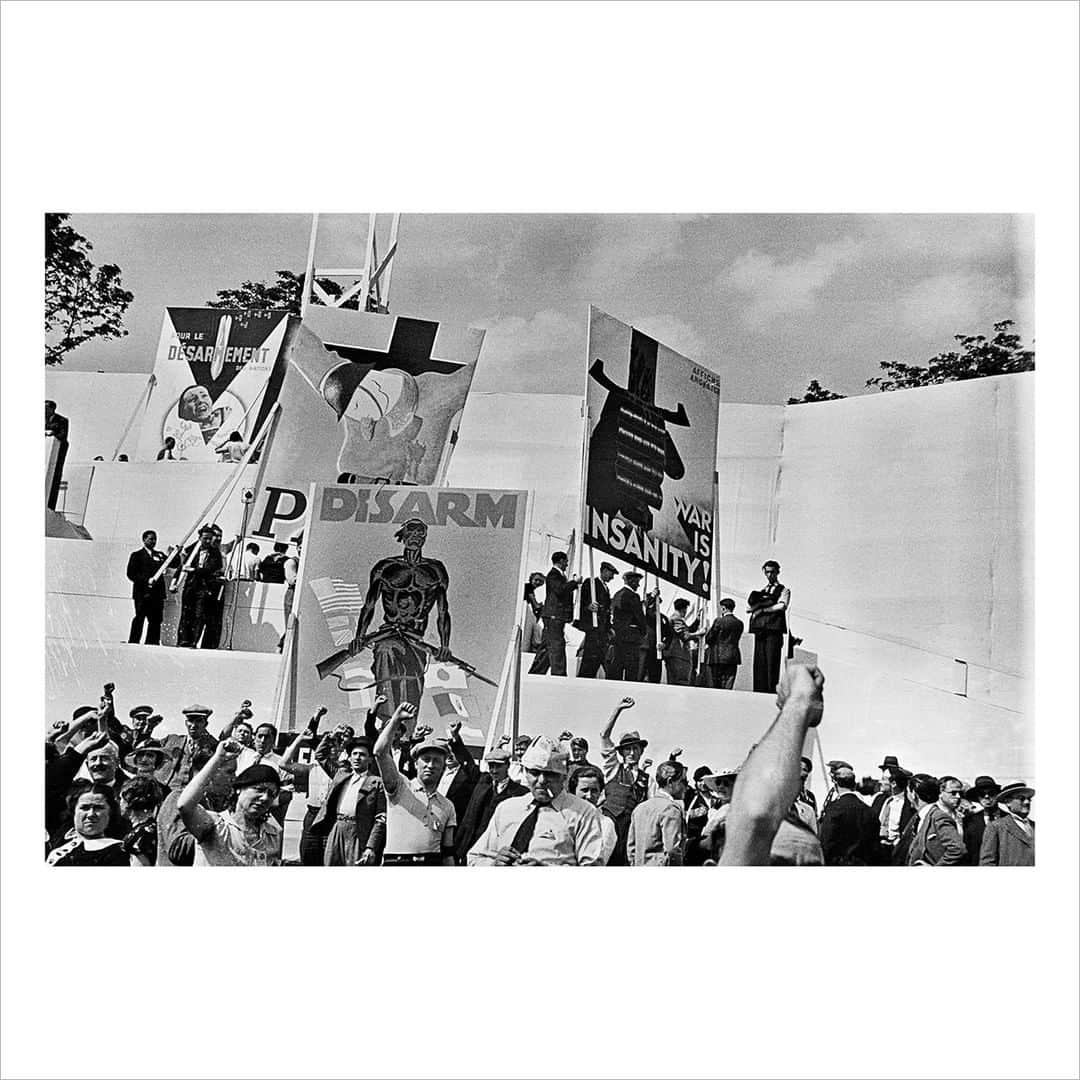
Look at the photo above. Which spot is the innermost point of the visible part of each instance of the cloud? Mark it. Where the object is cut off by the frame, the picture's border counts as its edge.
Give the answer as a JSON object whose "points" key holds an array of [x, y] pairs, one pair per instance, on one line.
{"points": [[541, 354], [955, 302], [779, 288]]}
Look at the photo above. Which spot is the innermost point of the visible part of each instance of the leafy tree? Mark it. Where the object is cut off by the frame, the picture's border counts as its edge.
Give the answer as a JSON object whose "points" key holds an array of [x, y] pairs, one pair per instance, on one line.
{"points": [[814, 392], [81, 301], [977, 358], [284, 294]]}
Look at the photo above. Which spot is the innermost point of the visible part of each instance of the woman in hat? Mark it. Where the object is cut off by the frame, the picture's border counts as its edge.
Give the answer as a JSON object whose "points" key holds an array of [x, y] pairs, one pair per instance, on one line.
{"points": [[144, 761], [86, 844]]}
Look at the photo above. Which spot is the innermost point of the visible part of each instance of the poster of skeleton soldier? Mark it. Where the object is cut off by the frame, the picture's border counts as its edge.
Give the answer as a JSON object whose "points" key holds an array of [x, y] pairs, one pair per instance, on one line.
{"points": [[410, 593], [366, 398], [216, 371], [651, 454]]}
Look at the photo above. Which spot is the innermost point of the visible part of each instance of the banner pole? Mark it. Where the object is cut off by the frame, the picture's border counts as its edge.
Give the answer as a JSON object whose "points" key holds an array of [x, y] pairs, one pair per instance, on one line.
{"points": [[583, 506], [144, 399], [309, 267], [515, 701], [500, 695], [592, 585]]}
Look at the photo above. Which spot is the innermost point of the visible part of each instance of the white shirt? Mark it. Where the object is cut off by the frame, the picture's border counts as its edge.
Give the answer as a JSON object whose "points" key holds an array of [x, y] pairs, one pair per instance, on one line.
{"points": [[890, 817]]}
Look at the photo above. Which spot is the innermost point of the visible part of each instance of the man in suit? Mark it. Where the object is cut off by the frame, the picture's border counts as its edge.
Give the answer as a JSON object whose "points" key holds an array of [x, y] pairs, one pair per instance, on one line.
{"points": [[558, 611], [768, 624], [894, 811], [628, 626], [353, 817], [462, 773], [935, 838], [595, 621], [848, 829], [187, 753], [983, 792], [1009, 840], [492, 788], [722, 646], [202, 584], [149, 598]]}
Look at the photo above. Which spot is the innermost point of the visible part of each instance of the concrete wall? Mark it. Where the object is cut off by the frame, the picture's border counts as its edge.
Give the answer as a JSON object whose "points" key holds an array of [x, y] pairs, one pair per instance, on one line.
{"points": [[98, 407]]}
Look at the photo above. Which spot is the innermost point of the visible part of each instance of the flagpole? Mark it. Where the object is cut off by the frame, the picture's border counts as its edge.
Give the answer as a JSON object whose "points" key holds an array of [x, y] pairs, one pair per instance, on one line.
{"points": [[309, 267], [144, 398]]}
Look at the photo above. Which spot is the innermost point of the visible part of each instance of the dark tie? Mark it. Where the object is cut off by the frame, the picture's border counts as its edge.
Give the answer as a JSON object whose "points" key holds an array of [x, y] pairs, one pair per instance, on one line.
{"points": [[523, 836]]}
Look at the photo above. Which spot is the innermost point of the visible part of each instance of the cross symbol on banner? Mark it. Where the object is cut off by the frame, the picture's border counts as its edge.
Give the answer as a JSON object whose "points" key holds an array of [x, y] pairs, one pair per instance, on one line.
{"points": [[409, 351]]}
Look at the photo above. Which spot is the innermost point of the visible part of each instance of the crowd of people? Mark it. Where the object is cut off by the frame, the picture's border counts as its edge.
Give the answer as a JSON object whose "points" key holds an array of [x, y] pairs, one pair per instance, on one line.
{"points": [[199, 574], [397, 795], [626, 636]]}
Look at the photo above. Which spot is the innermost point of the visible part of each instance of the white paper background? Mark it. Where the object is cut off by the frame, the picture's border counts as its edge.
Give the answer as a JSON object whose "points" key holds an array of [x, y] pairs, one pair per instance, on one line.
{"points": [[810, 106]]}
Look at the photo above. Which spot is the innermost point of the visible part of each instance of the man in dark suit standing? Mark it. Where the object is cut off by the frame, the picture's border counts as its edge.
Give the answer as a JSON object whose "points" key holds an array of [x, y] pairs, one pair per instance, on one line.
{"points": [[595, 621], [768, 624], [558, 611], [628, 626], [202, 586], [149, 598], [493, 787], [983, 792], [936, 839], [849, 830], [722, 646], [1009, 839], [894, 811]]}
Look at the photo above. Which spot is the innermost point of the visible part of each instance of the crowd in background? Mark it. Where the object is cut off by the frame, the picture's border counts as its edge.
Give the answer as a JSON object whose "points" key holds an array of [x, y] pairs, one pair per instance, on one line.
{"points": [[395, 794]]}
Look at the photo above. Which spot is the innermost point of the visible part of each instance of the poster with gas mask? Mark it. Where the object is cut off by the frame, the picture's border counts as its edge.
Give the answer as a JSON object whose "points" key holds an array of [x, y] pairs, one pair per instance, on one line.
{"points": [[366, 399], [216, 374]]}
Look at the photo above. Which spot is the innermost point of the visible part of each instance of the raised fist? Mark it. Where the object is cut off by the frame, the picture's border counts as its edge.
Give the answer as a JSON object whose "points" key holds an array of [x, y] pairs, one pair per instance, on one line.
{"points": [[626, 703]]}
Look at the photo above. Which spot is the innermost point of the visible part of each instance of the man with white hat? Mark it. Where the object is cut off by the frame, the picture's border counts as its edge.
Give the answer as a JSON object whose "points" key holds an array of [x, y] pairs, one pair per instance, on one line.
{"points": [[547, 827], [1009, 840], [420, 822]]}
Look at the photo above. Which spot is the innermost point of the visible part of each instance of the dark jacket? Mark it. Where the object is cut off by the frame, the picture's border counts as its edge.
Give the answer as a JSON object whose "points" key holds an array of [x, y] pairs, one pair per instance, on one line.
{"points": [[896, 856], [207, 578], [974, 827], [558, 596], [141, 567], [848, 832], [722, 640], [370, 810], [482, 803], [60, 783], [767, 622], [936, 841], [628, 616], [461, 787], [603, 604]]}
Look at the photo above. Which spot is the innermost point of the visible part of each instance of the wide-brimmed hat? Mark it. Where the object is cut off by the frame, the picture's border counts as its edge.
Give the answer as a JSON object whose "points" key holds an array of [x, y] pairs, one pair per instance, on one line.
{"points": [[983, 785], [889, 762], [148, 748], [631, 738], [429, 744], [1011, 791]]}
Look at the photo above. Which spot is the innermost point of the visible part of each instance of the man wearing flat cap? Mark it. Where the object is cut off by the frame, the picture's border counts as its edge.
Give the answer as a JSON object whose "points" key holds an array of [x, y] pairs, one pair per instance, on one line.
{"points": [[982, 793], [182, 750], [595, 621], [492, 789], [1009, 840], [247, 835], [849, 828], [548, 826], [420, 822], [203, 580], [629, 628]]}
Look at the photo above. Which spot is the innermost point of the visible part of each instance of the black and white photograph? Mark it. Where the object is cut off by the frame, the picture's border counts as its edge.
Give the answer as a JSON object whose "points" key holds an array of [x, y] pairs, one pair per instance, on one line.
{"points": [[701, 536]]}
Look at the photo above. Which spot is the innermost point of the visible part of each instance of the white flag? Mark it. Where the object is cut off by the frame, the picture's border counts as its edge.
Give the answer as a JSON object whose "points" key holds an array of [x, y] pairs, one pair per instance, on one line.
{"points": [[444, 677]]}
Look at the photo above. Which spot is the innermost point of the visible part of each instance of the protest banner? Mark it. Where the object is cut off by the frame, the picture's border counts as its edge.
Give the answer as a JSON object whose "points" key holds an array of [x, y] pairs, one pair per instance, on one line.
{"points": [[651, 454], [409, 592], [366, 399], [216, 371]]}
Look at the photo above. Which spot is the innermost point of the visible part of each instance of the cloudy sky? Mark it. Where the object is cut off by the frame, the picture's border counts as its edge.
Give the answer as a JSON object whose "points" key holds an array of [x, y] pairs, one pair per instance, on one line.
{"points": [[770, 301]]}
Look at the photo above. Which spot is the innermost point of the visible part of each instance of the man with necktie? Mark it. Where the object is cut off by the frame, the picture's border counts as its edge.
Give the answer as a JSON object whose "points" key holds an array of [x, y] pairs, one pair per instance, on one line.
{"points": [[595, 622], [149, 597], [547, 827]]}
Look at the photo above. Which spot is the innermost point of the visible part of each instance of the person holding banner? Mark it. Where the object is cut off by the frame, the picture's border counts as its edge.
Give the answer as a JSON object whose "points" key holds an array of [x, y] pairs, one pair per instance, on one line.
{"points": [[200, 581], [595, 622], [677, 647], [628, 626], [768, 624], [558, 611]]}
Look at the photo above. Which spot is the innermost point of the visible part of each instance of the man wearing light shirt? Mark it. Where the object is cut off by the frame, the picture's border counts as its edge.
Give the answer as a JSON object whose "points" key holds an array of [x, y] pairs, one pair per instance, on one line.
{"points": [[952, 791], [657, 834], [547, 827], [894, 811]]}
